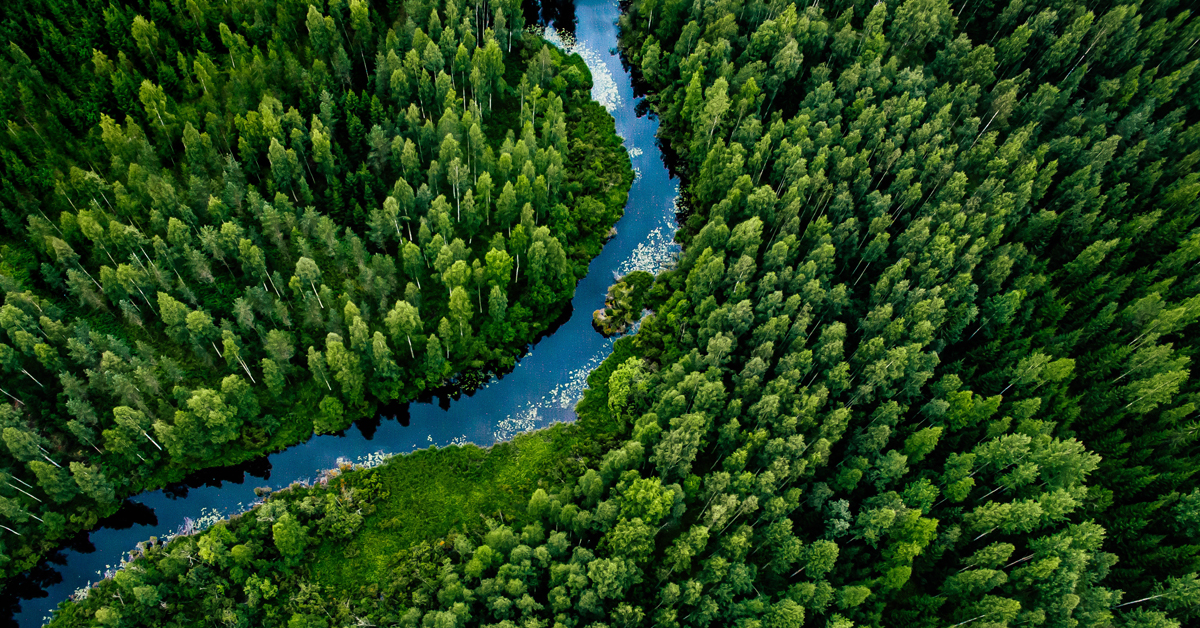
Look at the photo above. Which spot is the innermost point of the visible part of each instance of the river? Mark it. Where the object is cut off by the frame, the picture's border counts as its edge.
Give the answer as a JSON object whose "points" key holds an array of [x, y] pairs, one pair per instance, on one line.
{"points": [[541, 390]]}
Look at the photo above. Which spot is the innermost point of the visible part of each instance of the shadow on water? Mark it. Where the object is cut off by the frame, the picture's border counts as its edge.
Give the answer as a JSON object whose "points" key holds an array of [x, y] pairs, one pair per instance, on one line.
{"points": [[131, 514], [560, 13], [482, 407], [469, 382], [31, 587], [396, 412], [217, 477]]}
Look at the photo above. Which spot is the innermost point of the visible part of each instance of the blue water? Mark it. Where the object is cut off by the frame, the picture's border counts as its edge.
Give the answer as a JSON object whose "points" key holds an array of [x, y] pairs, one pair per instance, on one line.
{"points": [[541, 390]]}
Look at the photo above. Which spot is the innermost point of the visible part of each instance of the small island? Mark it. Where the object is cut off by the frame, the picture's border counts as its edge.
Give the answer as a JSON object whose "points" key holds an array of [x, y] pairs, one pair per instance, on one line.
{"points": [[623, 304]]}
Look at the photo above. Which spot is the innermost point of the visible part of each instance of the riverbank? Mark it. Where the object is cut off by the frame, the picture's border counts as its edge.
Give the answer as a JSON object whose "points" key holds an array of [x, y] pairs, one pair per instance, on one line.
{"points": [[278, 407], [436, 492], [370, 528], [349, 531], [542, 389]]}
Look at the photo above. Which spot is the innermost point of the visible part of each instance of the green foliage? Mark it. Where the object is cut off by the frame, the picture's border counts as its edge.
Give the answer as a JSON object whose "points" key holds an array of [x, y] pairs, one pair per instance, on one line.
{"points": [[290, 537], [200, 191], [925, 358], [623, 304]]}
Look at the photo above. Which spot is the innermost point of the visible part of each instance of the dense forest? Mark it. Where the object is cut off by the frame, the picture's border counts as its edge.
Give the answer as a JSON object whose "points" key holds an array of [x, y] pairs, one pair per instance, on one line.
{"points": [[925, 359], [347, 204]]}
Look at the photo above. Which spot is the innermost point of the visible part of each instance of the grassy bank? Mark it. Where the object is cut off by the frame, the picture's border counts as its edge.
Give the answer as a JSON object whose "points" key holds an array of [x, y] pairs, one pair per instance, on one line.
{"points": [[437, 492], [362, 528]]}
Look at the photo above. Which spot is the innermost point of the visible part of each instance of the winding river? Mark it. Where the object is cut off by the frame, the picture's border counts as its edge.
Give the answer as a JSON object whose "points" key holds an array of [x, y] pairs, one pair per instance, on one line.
{"points": [[541, 390]]}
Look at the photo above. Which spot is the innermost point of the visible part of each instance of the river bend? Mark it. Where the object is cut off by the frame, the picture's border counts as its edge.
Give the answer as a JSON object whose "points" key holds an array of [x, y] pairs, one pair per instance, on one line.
{"points": [[543, 388]]}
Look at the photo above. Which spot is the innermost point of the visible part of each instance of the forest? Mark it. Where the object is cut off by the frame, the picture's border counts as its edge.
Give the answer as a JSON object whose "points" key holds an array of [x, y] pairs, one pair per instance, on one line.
{"points": [[925, 359], [311, 179]]}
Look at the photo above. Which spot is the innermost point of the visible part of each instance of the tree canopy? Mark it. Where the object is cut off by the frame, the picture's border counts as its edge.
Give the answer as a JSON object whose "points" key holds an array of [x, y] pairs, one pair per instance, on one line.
{"points": [[924, 360], [221, 216]]}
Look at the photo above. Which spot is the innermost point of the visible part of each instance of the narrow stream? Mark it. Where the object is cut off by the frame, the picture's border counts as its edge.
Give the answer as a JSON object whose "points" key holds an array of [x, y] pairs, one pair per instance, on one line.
{"points": [[541, 390]]}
